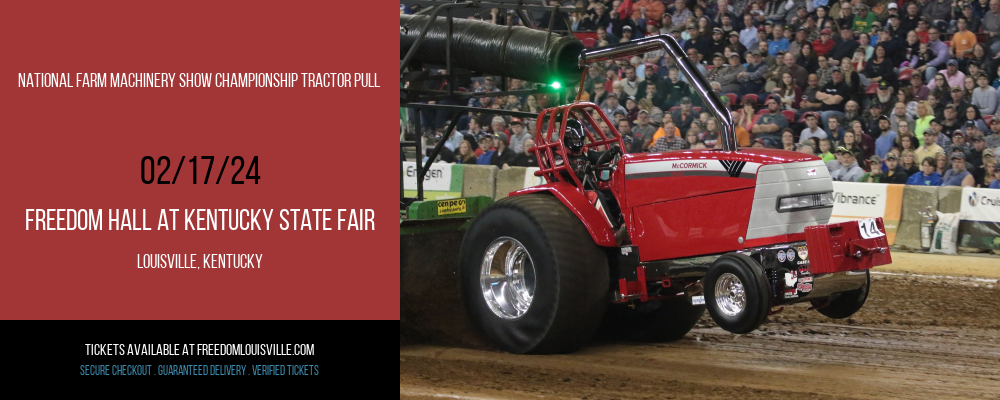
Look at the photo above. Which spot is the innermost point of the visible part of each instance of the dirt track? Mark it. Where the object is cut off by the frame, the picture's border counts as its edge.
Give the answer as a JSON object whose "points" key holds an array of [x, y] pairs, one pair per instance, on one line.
{"points": [[926, 334]]}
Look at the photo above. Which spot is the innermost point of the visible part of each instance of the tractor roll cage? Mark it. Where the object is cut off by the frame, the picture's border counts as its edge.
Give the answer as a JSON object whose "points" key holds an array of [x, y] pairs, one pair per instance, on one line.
{"points": [[546, 148], [686, 67]]}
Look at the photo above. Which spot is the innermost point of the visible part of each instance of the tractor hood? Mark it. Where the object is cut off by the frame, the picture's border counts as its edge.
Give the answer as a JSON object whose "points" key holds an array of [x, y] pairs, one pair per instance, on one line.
{"points": [[658, 177]]}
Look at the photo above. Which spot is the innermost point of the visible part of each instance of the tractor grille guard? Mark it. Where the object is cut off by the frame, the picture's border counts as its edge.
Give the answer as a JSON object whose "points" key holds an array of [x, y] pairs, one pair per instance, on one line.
{"points": [[686, 66]]}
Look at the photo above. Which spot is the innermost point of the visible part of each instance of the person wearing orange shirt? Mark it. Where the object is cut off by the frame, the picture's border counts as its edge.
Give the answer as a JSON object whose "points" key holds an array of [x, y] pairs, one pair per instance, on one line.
{"points": [[963, 40]]}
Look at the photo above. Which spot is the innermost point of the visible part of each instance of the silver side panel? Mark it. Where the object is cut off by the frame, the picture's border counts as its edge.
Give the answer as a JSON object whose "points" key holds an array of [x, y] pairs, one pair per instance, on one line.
{"points": [[780, 180]]}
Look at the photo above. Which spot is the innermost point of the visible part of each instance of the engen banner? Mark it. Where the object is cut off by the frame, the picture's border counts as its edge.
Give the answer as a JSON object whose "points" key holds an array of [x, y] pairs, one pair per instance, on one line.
{"points": [[442, 181], [980, 226], [868, 200]]}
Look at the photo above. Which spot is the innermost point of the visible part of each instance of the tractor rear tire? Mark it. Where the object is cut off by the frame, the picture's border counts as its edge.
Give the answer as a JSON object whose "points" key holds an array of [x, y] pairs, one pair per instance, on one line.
{"points": [[847, 303], [737, 293], [552, 296], [654, 321]]}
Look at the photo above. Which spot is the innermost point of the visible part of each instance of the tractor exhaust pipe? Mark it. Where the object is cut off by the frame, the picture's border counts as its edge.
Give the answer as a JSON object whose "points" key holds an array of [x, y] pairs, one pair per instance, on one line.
{"points": [[686, 66]]}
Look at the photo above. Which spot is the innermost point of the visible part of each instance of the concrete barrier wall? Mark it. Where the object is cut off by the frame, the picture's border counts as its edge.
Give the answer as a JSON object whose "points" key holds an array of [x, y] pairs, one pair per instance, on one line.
{"points": [[949, 199], [915, 199], [479, 180], [509, 180]]}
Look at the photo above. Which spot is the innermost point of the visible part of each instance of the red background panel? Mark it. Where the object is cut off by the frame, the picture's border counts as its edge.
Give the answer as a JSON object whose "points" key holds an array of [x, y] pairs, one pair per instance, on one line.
{"points": [[81, 148]]}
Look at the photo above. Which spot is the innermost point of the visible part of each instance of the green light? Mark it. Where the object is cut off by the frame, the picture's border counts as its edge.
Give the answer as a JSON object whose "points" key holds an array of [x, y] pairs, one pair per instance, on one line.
{"points": [[556, 85]]}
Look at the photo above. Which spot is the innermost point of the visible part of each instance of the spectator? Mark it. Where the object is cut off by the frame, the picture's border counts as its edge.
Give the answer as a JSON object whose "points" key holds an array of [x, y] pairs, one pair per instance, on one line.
{"points": [[963, 40], [958, 145], [799, 74], [642, 131], [991, 25], [788, 91], [753, 78], [972, 114], [824, 44], [684, 116], [630, 85], [748, 36], [486, 145], [465, 154], [808, 59], [993, 136], [770, 124], [874, 174], [909, 163], [942, 161], [795, 47], [993, 171], [851, 114], [745, 116], [951, 121], [674, 89], [850, 144], [779, 42], [668, 142], [518, 135], [833, 96], [612, 105], [727, 77], [849, 171], [985, 97], [923, 121], [978, 151], [808, 102], [938, 11], [666, 127], [898, 115], [502, 157], [836, 133], [845, 48], [736, 45], [958, 175], [824, 70], [812, 129], [886, 137], [954, 77], [928, 176], [742, 135], [787, 140], [895, 173], [930, 147], [920, 91], [910, 20], [940, 50], [880, 68]]}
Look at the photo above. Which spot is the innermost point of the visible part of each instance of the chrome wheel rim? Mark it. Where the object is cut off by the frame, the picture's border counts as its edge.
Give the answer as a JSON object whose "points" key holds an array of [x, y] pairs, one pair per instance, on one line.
{"points": [[729, 294], [507, 278]]}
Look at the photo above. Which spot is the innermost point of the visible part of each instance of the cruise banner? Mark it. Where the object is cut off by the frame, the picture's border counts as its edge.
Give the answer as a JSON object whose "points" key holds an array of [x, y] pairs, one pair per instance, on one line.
{"points": [[980, 225]]}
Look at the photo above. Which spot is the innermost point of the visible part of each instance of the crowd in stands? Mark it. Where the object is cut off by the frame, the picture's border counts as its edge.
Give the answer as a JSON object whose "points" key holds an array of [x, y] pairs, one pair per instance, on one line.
{"points": [[882, 91]]}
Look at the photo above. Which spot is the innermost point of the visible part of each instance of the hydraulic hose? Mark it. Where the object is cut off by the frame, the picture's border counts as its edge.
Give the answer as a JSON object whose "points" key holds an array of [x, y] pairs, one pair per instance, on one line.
{"points": [[517, 52]]}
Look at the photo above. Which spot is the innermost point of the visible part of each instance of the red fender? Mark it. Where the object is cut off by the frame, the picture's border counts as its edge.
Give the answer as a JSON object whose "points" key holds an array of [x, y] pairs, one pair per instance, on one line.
{"points": [[576, 201]]}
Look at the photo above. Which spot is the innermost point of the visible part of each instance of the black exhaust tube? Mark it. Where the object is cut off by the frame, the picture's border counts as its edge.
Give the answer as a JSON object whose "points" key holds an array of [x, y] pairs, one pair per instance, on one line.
{"points": [[519, 53]]}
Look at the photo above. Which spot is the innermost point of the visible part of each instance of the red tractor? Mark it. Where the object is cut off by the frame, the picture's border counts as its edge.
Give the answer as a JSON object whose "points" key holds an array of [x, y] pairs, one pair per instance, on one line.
{"points": [[646, 242]]}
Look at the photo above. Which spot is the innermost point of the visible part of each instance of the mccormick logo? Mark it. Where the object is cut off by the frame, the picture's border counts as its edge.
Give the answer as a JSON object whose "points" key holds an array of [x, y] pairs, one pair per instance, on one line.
{"points": [[689, 165]]}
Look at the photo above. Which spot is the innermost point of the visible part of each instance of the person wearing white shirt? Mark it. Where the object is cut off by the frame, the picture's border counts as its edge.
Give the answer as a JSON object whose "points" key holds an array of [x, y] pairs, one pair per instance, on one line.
{"points": [[812, 129]]}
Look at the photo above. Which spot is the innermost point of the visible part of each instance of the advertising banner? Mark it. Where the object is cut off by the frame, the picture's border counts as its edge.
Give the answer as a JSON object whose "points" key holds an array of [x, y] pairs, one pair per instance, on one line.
{"points": [[980, 226], [853, 201], [530, 179], [442, 181]]}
